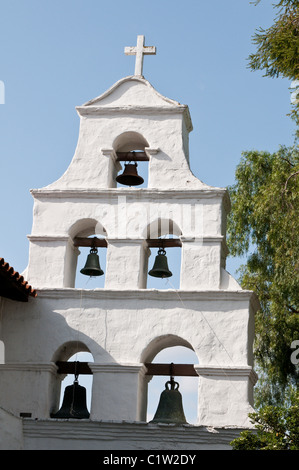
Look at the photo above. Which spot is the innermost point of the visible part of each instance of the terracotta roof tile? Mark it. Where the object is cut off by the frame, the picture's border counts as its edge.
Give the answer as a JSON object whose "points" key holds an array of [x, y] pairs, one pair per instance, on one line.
{"points": [[13, 285]]}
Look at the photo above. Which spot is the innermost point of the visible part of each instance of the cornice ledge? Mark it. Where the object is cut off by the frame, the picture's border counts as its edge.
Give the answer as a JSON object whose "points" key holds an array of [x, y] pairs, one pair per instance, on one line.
{"points": [[201, 193], [48, 238], [29, 367], [145, 294], [227, 371], [98, 109]]}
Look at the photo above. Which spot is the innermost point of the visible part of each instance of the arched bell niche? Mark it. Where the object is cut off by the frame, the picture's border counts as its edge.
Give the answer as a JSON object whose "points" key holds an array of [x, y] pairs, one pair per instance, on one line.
{"points": [[87, 235], [166, 350], [129, 148], [71, 353], [164, 234]]}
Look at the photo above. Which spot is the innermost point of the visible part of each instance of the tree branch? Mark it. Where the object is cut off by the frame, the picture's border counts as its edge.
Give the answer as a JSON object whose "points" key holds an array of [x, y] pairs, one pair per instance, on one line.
{"points": [[286, 183], [288, 161], [293, 310]]}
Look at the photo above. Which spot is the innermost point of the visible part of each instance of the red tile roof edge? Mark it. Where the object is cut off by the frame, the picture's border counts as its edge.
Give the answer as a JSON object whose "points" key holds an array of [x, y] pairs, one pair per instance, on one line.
{"points": [[17, 278]]}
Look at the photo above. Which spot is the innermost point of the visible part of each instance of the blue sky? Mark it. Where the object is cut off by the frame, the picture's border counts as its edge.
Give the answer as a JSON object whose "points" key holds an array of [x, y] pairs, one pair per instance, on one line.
{"points": [[55, 55]]}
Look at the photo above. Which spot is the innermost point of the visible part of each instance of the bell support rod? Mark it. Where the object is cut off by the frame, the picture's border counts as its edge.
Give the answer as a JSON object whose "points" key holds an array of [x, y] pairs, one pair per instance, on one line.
{"points": [[75, 368], [171, 369], [90, 242], [131, 157], [151, 242], [165, 242], [178, 370]]}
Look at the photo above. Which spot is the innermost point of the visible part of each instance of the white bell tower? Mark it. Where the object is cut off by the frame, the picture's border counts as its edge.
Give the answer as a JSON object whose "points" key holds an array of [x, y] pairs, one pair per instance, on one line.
{"points": [[124, 324]]}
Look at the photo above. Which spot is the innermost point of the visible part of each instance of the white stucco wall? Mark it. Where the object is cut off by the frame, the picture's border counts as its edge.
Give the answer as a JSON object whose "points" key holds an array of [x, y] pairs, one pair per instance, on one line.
{"points": [[11, 431], [118, 328], [126, 217], [124, 325], [54, 435]]}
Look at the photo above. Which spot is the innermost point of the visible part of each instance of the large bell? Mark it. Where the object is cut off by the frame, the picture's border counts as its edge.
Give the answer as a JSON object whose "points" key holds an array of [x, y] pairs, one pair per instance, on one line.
{"points": [[92, 266], [130, 177], [73, 404], [160, 268], [170, 407]]}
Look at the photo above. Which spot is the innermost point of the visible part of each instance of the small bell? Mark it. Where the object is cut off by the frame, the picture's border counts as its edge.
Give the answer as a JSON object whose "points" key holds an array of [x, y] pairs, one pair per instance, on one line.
{"points": [[74, 403], [130, 177], [170, 407], [160, 268], [92, 266]]}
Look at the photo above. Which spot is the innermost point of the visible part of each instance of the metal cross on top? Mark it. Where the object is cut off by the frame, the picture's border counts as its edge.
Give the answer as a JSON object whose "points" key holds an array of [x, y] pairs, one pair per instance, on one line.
{"points": [[140, 50]]}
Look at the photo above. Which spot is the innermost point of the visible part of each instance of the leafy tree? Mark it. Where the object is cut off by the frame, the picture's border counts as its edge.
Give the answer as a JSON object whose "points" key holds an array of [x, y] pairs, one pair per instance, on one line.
{"points": [[277, 52], [263, 224], [264, 220], [277, 47], [276, 428]]}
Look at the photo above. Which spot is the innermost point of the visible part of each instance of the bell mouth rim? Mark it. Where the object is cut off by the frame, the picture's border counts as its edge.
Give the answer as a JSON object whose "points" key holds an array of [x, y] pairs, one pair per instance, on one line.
{"points": [[94, 274], [167, 421], [132, 183], [155, 275]]}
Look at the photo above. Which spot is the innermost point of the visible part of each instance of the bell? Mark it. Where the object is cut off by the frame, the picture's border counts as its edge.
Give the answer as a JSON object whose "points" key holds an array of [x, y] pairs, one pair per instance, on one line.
{"points": [[160, 268], [73, 404], [170, 407], [130, 177], [92, 266]]}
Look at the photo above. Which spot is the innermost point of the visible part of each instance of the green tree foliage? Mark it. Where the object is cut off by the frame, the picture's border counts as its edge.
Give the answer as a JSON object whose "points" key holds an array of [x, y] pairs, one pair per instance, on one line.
{"points": [[263, 224], [277, 52], [278, 46], [276, 428]]}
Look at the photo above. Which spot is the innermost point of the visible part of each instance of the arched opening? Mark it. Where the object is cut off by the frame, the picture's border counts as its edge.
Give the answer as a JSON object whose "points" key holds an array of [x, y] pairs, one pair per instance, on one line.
{"points": [[84, 380], [88, 235], [164, 234], [130, 149], [169, 349], [188, 386], [67, 358]]}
